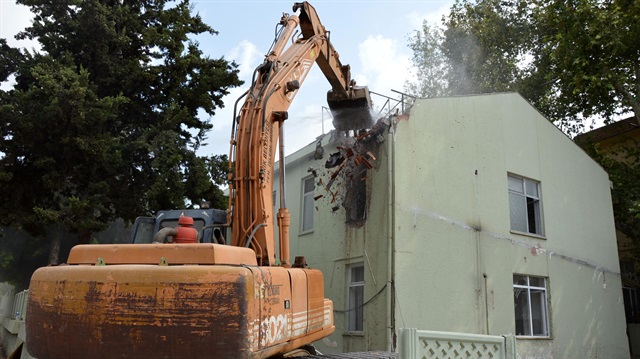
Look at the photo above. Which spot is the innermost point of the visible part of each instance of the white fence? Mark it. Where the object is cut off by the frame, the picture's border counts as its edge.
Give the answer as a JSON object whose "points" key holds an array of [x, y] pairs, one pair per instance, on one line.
{"points": [[19, 311], [418, 344]]}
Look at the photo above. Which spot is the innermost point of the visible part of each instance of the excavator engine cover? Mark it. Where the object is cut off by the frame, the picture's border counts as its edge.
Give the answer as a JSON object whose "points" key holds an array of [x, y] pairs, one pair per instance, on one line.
{"points": [[351, 113]]}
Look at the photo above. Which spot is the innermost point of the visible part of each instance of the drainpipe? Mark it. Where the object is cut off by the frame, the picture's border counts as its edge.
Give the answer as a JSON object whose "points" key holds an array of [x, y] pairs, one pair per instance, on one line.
{"points": [[391, 222]]}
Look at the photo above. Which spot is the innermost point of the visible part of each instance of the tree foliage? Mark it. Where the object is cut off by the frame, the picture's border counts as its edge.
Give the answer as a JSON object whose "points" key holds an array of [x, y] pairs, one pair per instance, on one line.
{"points": [[572, 60], [218, 166], [429, 62], [622, 163], [104, 121]]}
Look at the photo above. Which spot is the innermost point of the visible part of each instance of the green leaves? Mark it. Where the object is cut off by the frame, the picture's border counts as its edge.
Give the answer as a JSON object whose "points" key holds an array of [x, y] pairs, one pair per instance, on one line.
{"points": [[103, 122], [573, 61]]}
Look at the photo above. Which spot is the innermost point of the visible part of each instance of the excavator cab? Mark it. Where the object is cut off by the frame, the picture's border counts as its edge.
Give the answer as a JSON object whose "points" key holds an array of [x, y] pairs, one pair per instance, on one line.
{"points": [[353, 112]]}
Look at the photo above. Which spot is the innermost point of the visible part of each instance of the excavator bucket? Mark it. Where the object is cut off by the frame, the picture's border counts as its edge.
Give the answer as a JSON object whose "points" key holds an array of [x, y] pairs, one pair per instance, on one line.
{"points": [[352, 113]]}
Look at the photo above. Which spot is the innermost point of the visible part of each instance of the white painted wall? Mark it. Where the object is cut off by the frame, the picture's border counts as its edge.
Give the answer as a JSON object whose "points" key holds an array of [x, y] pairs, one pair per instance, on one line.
{"points": [[453, 222], [440, 184], [333, 245]]}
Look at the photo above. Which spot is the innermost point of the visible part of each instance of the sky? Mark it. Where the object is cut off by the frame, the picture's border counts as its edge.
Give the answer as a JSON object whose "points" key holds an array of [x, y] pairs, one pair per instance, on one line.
{"points": [[371, 36]]}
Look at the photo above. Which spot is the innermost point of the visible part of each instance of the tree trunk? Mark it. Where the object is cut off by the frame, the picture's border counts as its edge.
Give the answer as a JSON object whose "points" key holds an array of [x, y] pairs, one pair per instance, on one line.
{"points": [[84, 236], [54, 251]]}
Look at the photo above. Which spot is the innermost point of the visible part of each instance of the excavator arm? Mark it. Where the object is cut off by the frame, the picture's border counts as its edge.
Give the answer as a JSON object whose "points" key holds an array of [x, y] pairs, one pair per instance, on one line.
{"points": [[259, 127], [338, 75]]}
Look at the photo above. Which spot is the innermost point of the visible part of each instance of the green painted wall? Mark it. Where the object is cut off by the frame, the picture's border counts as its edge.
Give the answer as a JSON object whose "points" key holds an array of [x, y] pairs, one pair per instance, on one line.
{"points": [[455, 250], [440, 184], [333, 245]]}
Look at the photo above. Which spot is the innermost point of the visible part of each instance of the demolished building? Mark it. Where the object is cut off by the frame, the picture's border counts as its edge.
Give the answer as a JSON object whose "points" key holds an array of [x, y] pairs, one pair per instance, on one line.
{"points": [[469, 214]]}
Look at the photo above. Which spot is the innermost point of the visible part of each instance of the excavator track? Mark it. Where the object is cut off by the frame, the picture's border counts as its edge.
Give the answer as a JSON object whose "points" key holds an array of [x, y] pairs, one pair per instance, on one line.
{"points": [[356, 355]]}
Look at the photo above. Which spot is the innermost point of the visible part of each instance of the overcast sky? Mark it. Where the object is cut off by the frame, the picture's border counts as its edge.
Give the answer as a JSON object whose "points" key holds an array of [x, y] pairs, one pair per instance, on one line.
{"points": [[371, 36]]}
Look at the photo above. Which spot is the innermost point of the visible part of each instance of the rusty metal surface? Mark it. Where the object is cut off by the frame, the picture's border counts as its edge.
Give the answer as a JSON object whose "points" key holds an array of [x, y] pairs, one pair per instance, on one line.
{"points": [[139, 312], [192, 253], [188, 311]]}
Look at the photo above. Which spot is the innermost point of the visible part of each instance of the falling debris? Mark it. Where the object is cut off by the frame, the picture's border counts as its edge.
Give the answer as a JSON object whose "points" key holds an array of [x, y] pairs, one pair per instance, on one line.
{"points": [[358, 150], [335, 159], [347, 169], [318, 154]]}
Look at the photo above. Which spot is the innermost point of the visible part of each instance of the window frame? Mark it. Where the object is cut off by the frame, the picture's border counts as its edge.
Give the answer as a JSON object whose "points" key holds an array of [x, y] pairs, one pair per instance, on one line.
{"points": [[355, 312], [537, 214], [303, 197], [545, 303]]}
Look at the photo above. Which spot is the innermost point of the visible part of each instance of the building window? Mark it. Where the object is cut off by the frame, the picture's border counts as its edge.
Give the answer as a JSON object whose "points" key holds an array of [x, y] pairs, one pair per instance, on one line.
{"points": [[631, 304], [307, 204], [530, 305], [356, 298], [524, 205]]}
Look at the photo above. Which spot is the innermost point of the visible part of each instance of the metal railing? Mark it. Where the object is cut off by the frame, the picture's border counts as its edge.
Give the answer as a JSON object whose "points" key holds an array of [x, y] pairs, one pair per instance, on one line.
{"points": [[391, 105]]}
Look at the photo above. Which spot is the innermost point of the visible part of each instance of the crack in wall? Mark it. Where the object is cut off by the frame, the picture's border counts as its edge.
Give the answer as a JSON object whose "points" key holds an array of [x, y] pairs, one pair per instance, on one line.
{"points": [[533, 248]]}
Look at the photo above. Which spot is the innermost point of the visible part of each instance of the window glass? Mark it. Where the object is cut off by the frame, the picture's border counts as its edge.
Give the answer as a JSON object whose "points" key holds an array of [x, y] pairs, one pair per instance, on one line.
{"points": [[357, 274], [530, 306], [515, 184], [519, 280], [518, 212], [532, 188], [536, 282], [525, 208], [538, 312], [144, 232], [533, 215], [308, 185], [521, 306], [356, 298], [307, 204]]}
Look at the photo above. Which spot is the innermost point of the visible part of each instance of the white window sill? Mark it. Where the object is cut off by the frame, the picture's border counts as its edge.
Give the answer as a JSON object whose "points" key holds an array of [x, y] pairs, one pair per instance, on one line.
{"points": [[353, 334], [532, 235], [529, 337], [305, 232]]}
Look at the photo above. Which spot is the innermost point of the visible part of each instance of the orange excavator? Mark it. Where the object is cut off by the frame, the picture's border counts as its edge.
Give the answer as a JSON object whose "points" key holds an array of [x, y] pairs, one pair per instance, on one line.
{"points": [[218, 299]]}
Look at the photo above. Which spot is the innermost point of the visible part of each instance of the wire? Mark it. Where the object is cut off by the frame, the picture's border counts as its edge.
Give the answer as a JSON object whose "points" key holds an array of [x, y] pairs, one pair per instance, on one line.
{"points": [[277, 32], [363, 304]]}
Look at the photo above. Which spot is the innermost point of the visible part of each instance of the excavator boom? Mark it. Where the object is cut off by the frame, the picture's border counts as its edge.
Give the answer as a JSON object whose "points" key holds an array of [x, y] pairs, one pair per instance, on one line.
{"points": [[275, 84]]}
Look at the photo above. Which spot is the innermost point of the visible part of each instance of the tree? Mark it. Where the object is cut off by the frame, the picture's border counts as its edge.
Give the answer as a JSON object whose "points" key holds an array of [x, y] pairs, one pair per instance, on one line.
{"points": [[619, 155], [218, 166], [573, 60], [429, 62], [478, 49], [103, 122]]}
